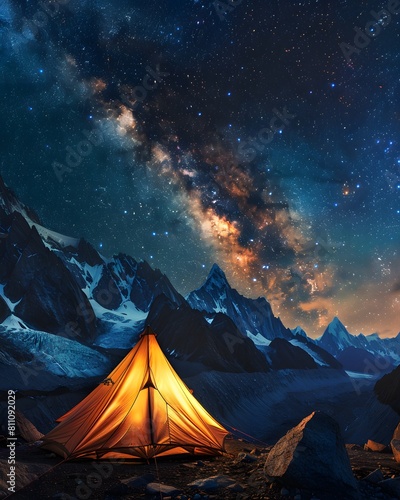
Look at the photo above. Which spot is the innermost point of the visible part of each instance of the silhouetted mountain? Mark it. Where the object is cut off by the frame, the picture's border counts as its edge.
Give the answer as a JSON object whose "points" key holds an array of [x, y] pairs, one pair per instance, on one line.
{"points": [[185, 334], [387, 389], [284, 355]]}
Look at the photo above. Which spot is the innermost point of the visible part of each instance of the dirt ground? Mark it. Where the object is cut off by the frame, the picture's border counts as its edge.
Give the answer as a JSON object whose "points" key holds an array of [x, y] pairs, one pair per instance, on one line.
{"points": [[102, 480]]}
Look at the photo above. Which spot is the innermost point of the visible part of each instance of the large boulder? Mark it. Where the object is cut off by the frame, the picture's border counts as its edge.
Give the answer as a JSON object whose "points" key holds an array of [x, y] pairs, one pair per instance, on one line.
{"points": [[26, 429], [313, 456], [395, 445]]}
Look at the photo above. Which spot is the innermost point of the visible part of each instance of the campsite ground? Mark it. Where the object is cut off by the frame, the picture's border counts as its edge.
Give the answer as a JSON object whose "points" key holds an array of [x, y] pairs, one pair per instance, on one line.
{"points": [[85, 480]]}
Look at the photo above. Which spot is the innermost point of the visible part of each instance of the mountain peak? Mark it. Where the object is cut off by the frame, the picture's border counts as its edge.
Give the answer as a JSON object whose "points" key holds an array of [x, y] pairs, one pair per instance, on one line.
{"points": [[372, 336], [299, 331], [336, 321], [337, 328], [10, 203], [337, 334], [217, 276]]}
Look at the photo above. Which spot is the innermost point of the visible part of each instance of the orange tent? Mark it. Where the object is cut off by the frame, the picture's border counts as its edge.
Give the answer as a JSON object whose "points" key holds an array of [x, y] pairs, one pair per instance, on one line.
{"points": [[141, 410]]}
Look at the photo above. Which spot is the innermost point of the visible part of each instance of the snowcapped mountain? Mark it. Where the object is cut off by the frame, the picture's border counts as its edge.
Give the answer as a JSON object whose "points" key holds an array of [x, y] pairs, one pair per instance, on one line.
{"points": [[359, 352], [283, 348], [253, 317], [61, 285], [299, 331], [336, 337], [59, 289], [65, 308]]}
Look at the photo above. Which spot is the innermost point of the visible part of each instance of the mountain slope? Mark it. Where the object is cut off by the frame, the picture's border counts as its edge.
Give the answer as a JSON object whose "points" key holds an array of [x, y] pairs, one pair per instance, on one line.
{"points": [[185, 334], [387, 389]]}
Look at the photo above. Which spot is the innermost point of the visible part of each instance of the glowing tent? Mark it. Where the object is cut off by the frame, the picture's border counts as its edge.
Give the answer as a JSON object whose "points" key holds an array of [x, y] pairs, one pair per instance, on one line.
{"points": [[141, 410]]}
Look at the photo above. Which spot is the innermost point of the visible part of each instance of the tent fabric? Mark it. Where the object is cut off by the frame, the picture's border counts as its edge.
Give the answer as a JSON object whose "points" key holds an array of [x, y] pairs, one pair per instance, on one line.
{"points": [[141, 410]]}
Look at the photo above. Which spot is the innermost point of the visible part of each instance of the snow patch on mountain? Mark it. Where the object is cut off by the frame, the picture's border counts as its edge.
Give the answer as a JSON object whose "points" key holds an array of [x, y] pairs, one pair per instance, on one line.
{"points": [[309, 351], [54, 354], [258, 339], [10, 304], [299, 331], [121, 327], [51, 237]]}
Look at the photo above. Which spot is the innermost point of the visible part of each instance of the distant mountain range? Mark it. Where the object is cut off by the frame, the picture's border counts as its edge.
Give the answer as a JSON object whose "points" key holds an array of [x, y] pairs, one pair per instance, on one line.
{"points": [[361, 353], [89, 305]]}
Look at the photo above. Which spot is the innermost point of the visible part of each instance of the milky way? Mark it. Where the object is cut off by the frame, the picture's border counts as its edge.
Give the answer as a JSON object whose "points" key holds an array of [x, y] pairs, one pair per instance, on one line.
{"points": [[260, 136]]}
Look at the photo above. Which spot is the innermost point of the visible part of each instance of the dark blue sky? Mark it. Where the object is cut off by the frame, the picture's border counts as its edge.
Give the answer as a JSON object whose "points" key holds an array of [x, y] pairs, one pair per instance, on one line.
{"points": [[183, 168]]}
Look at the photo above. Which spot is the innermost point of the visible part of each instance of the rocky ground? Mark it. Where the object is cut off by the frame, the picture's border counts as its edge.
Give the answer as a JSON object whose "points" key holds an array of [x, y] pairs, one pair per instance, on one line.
{"points": [[240, 476]]}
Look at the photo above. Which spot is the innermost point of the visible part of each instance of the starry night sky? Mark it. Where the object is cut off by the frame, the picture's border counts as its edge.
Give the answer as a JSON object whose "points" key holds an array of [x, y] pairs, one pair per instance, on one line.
{"points": [[183, 170]]}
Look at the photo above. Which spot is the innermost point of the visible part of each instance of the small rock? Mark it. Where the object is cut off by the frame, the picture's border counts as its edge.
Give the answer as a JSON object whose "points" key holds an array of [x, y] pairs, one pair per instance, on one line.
{"points": [[162, 489], [297, 497], [199, 463], [197, 497], [138, 482], [237, 488], [212, 483], [255, 451], [353, 447], [284, 492], [189, 465], [245, 457], [396, 434], [374, 477], [374, 446]]}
